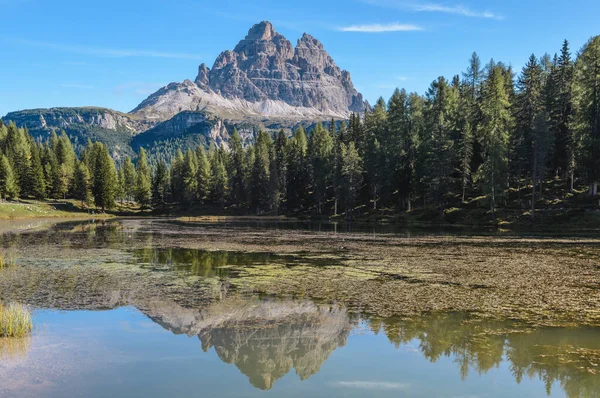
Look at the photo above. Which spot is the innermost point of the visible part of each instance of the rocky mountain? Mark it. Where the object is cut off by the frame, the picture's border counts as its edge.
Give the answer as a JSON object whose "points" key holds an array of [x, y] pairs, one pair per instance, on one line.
{"points": [[263, 83]]}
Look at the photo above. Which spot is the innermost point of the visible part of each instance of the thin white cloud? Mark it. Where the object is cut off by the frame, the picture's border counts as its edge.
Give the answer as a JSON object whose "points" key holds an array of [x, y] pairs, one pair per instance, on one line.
{"points": [[457, 9], [104, 52], [372, 385], [78, 86], [402, 78], [380, 28]]}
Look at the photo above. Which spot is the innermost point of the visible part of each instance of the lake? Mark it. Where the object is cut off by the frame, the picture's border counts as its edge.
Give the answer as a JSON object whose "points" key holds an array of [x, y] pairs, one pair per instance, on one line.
{"points": [[168, 308]]}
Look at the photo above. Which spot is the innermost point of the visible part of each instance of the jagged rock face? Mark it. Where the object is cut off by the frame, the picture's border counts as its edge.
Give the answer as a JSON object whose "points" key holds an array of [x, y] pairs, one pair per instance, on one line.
{"points": [[265, 66], [264, 76]]}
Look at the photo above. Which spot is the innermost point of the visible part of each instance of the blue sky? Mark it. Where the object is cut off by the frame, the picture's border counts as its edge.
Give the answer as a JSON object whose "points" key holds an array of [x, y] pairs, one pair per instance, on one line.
{"points": [[115, 53]]}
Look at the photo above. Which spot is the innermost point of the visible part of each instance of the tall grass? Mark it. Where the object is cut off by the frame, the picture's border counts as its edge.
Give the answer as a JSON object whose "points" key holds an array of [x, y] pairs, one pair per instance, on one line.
{"points": [[15, 320], [6, 260]]}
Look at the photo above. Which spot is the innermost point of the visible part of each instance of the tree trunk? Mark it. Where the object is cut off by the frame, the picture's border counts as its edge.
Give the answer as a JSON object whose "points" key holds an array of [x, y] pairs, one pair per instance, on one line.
{"points": [[375, 198], [533, 184], [335, 206]]}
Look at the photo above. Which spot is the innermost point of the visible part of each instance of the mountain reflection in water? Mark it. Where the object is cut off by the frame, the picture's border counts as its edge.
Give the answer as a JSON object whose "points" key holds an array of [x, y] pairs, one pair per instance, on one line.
{"points": [[266, 339]]}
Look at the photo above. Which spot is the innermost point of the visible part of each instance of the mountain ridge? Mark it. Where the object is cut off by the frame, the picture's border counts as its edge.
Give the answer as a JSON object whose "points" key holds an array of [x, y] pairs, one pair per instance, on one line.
{"points": [[264, 81]]}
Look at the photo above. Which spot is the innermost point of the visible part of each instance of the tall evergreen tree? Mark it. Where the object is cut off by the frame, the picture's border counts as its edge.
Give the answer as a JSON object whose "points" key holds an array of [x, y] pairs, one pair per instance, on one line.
{"points": [[440, 118], [235, 168], [320, 150], [104, 178], [203, 175], [587, 114], [160, 186], [143, 188], [81, 183], [261, 174], [351, 175], [9, 189], [494, 134], [129, 178]]}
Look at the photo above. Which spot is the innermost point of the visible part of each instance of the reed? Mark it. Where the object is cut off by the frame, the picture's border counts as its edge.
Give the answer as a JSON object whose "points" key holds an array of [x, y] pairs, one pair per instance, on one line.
{"points": [[6, 260], [15, 320]]}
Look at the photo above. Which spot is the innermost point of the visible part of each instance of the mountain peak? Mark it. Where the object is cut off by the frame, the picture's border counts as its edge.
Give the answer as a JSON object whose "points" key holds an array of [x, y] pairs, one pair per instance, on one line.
{"points": [[271, 76], [262, 31]]}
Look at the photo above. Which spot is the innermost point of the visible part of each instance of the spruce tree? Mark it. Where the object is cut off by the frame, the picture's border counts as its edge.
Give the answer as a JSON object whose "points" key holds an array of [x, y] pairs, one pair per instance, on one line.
{"points": [[81, 183], [235, 168], [104, 187], [320, 152], [261, 174], [439, 152], [494, 134], [351, 175], [587, 114], [189, 175], [37, 183], [143, 192], [219, 179], [159, 186], [129, 178], [203, 176], [9, 189]]}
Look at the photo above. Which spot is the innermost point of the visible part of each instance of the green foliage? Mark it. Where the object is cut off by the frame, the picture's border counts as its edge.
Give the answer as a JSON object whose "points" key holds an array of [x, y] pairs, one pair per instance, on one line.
{"points": [[9, 189], [82, 183], [105, 182]]}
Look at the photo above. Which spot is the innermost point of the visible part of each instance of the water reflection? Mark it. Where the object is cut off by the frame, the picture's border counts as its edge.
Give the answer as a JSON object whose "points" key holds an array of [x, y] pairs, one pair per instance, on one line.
{"points": [[266, 339], [13, 348], [202, 263]]}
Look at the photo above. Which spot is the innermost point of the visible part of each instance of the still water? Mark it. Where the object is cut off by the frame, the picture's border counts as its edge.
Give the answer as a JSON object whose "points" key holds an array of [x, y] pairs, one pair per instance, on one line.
{"points": [[125, 311]]}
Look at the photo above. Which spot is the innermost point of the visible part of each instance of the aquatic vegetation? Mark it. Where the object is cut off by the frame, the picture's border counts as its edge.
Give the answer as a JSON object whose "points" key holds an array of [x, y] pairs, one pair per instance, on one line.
{"points": [[15, 320], [6, 260]]}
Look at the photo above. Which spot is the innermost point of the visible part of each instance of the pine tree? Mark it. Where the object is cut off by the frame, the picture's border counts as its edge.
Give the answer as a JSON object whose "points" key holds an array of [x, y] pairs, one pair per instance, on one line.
{"points": [[465, 156], [81, 183], [37, 184], [16, 149], [261, 174], [129, 178], [494, 133], [177, 187], [235, 168], [159, 186], [281, 148], [440, 118], [189, 175], [587, 112], [375, 127], [351, 175], [320, 151], [9, 189], [203, 175], [298, 176], [143, 192], [219, 179], [561, 114], [120, 193], [104, 178]]}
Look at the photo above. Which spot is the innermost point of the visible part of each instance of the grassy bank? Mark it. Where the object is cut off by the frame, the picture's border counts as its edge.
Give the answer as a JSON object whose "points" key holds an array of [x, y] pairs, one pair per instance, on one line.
{"points": [[28, 209]]}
